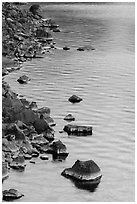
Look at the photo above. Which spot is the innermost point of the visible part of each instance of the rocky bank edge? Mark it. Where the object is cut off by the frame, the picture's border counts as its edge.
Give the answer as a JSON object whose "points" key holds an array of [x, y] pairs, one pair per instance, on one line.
{"points": [[26, 129]]}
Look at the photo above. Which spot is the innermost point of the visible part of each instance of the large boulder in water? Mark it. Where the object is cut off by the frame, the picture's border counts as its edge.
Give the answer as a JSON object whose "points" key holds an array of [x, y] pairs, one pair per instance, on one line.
{"points": [[11, 194], [78, 130], [87, 173], [75, 99]]}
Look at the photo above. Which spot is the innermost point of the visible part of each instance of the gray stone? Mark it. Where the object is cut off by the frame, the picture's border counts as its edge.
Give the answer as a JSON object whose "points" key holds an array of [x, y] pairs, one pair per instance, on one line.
{"points": [[11, 194], [78, 130], [86, 172], [69, 117], [75, 99], [23, 79]]}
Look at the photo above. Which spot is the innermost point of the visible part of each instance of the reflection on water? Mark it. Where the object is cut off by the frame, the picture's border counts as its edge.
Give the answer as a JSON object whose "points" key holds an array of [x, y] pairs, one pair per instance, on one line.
{"points": [[104, 78]]}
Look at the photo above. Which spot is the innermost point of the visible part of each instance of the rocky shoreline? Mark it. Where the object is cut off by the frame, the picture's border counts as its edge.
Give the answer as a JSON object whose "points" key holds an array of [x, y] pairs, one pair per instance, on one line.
{"points": [[27, 130]]}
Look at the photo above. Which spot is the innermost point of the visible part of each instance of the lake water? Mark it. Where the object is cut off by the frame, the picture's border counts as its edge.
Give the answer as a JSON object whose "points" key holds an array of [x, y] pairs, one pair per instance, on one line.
{"points": [[105, 79]]}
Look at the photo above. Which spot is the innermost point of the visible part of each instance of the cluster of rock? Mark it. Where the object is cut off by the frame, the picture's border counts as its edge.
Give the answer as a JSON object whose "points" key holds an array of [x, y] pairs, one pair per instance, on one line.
{"points": [[25, 34], [26, 133], [27, 130]]}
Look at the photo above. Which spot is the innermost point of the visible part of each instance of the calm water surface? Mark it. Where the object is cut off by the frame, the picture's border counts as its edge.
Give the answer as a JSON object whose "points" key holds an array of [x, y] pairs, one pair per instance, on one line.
{"points": [[104, 78]]}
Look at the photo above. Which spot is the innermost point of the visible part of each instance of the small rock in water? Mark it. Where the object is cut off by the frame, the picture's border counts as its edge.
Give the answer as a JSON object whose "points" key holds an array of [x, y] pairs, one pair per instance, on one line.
{"points": [[61, 131], [75, 99], [27, 156], [23, 79], [11, 194], [33, 162], [79, 130], [86, 47], [44, 157], [69, 117], [80, 49], [66, 48]]}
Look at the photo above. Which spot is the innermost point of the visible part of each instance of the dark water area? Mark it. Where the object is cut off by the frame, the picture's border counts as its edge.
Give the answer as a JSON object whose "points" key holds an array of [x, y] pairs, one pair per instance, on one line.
{"points": [[105, 79]]}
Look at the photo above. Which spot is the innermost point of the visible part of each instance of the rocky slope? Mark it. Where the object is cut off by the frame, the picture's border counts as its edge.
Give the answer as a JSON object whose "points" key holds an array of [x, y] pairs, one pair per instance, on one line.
{"points": [[26, 129]]}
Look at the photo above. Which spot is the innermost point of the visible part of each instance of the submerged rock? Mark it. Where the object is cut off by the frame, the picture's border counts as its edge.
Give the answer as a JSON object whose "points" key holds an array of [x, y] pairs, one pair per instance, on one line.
{"points": [[86, 173], [69, 117], [86, 47], [75, 99], [23, 79], [11, 194], [78, 130]]}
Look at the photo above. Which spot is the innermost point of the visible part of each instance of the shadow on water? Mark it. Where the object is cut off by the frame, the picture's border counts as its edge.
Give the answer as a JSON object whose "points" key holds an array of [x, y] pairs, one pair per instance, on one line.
{"points": [[84, 185]]}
